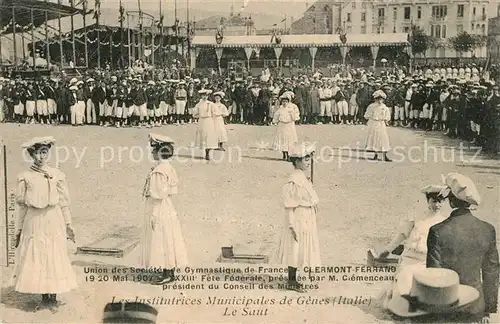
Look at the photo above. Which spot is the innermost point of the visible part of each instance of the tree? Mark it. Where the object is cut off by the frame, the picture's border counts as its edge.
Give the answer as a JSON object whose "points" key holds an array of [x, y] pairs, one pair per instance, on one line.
{"points": [[419, 41], [465, 42]]}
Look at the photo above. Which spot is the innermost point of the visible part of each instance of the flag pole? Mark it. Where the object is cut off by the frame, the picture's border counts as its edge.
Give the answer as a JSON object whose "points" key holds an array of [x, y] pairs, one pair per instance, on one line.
{"points": [[129, 42], [60, 37], [141, 35], [73, 32], [97, 13], [85, 32], [14, 35]]}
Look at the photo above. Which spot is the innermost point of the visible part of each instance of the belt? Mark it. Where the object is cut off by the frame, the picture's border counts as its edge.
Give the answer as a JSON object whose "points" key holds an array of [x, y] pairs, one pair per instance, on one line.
{"points": [[180, 98], [325, 99]]}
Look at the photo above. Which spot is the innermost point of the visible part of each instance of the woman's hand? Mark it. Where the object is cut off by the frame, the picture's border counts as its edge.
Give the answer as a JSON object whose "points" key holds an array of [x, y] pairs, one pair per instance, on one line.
{"points": [[70, 233], [294, 234]]}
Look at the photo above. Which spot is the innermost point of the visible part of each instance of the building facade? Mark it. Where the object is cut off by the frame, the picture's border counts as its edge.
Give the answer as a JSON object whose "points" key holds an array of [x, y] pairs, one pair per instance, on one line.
{"points": [[494, 38], [234, 25], [441, 19]]}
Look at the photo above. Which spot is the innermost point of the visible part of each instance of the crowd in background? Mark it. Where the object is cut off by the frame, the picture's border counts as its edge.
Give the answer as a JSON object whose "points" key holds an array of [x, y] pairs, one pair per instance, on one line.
{"points": [[461, 101]]}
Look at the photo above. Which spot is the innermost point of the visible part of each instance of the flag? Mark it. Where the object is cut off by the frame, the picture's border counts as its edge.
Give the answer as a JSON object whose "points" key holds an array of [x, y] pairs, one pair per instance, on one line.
{"points": [[121, 17], [160, 22], [97, 9], [284, 20]]}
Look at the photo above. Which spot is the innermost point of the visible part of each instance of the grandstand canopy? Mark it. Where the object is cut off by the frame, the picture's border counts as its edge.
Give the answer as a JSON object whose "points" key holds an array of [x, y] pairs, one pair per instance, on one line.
{"points": [[19, 11]]}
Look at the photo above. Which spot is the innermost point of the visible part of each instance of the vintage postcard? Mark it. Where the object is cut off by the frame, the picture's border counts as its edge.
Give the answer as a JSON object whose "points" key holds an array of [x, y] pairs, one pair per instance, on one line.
{"points": [[249, 161]]}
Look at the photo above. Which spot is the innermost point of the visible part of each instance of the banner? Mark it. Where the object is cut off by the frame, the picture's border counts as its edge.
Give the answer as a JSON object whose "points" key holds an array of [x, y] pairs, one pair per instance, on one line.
{"points": [[257, 51], [218, 52], [248, 52], [313, 51], [277, 52], [374, 50]]}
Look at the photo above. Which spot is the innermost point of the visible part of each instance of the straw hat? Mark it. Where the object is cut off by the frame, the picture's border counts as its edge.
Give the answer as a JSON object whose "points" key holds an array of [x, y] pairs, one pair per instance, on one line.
{"points": [[379, 94], [160, 139], [432, 290], [35, 141], [73, 88], [129, 313], [301, 150], [432, 189], [461, 187], [220, 94]]}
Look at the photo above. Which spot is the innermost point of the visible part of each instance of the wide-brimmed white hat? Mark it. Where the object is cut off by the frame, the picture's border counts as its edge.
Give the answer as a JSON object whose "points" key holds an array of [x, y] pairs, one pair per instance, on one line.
{"points": [[151, 82], [73, 88], [90, 80], [73, 81], [300, 150], [432, 189], [461, 187], [379, 94], [285, 96], [46, 140], [205, 91], [220, 94], [160, 139], [432, 291]]}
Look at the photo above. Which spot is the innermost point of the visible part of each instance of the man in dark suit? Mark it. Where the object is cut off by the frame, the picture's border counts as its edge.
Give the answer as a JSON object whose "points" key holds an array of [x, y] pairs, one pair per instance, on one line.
{"points": [[467, 245]]}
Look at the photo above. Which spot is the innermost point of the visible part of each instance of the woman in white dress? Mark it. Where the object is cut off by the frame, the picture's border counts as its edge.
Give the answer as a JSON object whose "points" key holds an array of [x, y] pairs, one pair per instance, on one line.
{"points": [[413, 234], [43, 225], [206, 137], [286, 116], [378, 114], [162, 243], [299, 244], [220, 111]]}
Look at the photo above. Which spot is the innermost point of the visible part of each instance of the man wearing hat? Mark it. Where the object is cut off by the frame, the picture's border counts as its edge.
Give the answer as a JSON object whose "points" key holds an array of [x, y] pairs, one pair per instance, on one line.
{"points": [[180, 102], [90, 109], [467, 245], [98, 97], [50, 91], [140, 103]]}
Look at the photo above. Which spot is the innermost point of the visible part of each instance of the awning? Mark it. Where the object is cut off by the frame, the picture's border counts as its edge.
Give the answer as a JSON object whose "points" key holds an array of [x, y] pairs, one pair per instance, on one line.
{"points": [[322, 40], [23, 13]]}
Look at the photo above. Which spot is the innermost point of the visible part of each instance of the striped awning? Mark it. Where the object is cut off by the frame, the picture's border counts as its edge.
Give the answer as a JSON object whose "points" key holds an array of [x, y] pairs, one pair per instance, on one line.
{"points": [[323, 40]]}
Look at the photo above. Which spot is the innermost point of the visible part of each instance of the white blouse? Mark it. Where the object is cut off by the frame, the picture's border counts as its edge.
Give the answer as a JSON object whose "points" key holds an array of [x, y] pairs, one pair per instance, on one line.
{"points": [[299, 191], [161, 182], [287, 114]]}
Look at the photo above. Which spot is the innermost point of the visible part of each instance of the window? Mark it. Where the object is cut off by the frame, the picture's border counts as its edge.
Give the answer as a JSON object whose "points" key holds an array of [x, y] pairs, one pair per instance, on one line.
{"points": [[380, 29], [395, 13], [363, 16], [472, 27], [406, 29], [460, 11], [443, 31], [407, 13], [460, 29], [419, 13], [484, 11], [432, 30], [348, 17], [437, 30], [439, 11], [474, 11], [381, 12], [483, 29], [354, 5], [363, 29], [349, 29], [363, 5]]}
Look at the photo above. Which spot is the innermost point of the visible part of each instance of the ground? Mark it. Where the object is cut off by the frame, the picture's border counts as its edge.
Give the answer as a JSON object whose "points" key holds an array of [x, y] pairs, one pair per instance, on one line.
{"points": [[237, 201]]}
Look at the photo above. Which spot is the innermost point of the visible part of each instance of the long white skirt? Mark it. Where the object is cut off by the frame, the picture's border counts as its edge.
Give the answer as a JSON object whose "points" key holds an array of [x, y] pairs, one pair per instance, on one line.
{"points": [[377, 140], [42, 262], [220, 129], [286, 135], [206, 137], [305, 251], [164, 246]]}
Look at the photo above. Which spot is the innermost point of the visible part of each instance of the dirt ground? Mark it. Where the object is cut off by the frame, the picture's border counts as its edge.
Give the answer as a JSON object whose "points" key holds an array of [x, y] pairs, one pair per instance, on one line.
{"points": [[237, 201]]}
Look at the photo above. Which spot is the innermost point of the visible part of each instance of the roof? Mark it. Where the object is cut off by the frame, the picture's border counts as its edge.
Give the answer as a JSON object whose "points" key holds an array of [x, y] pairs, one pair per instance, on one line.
{"points": [[324, 40], [215, 21], [23, 9]]}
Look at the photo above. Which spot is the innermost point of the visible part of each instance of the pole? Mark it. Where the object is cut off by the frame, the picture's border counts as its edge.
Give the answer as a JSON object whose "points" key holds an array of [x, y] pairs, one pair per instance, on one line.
{"points": [[23, 45], [98, 38], [153, 36], [141, 34], [47, 54], [161, 34], [85, 33], [111, 50], [14, 35], [1, 56], [73, 33], [129, 43], [6, 201], [60, 37], [176, 33], [33, 38], [121, 35]]}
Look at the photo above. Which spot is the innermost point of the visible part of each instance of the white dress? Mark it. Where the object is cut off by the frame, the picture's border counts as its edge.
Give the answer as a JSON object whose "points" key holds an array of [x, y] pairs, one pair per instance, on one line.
{"points": [[414, 255], [206, 137], [219, 112], [164, 246], [286, 134], [42, 262], [377, 140], [300, 200]]}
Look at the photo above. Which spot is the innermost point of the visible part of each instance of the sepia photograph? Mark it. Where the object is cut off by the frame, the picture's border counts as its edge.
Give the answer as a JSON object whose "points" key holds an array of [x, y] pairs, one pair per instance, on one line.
{"points": [[249, 161]]}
